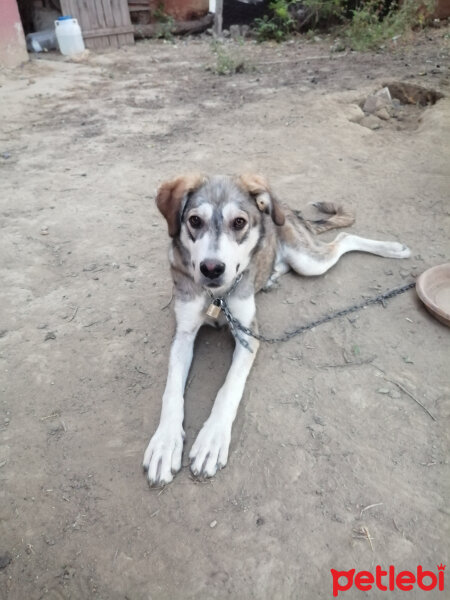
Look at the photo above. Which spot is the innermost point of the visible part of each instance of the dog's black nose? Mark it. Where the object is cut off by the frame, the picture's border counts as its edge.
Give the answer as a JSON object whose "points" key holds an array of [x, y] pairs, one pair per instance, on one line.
{"points": [[212, 269]]}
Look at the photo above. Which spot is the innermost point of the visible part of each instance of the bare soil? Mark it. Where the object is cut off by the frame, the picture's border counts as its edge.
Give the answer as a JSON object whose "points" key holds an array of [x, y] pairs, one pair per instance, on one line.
{"points": [[327, 449]]}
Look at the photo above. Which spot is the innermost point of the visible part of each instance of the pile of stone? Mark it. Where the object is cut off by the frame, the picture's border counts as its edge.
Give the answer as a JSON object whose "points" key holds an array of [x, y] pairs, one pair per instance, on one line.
{"points": [[390, 102], [378, 107]]}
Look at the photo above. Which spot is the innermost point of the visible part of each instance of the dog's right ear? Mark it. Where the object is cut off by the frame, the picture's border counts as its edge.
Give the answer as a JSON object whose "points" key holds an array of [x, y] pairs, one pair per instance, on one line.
{"points": [[171, 195]]}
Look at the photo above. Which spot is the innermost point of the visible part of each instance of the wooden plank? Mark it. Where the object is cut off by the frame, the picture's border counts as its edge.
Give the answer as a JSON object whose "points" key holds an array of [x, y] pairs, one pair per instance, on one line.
{"points": [[217, 28], [97, 22], [92, 22], [128, 38], [100, 8], [86, 14], [108, 31], [122, 16], [112, 20]]}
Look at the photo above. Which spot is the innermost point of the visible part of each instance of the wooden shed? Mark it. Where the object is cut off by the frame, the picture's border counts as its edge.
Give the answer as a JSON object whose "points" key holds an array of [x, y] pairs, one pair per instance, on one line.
{"points": [[104, 23]]}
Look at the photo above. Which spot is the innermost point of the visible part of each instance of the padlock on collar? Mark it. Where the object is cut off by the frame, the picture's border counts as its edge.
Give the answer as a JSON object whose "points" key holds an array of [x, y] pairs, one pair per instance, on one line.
{"points": [[214, 309]]}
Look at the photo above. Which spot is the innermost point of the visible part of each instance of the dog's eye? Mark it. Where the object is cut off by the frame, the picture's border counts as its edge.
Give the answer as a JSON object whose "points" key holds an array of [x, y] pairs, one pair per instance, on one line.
{"points": [[239, 223], [195, 222]]}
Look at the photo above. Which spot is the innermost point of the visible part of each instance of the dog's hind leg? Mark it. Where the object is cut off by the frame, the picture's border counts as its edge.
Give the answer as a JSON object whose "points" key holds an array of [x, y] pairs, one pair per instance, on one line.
{"points": [[319, 257], [337, 217]]}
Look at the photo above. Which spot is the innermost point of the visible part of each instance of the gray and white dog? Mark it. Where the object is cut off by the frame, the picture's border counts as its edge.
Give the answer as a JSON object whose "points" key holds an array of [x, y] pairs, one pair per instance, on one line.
{"points": [[226, 230]]}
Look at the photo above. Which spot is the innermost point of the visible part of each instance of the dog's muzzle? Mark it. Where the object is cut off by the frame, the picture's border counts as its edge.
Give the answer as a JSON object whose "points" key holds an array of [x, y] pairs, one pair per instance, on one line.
{"points": [[212, 269]]}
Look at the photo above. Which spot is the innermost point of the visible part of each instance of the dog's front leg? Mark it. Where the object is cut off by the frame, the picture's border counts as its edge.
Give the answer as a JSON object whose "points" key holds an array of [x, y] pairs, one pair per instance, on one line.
{"points": [[210, 450], [163, 455]]}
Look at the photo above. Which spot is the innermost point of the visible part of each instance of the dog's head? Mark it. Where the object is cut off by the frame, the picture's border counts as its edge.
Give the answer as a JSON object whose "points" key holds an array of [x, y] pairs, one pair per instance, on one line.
{"points": [[218, 222]]}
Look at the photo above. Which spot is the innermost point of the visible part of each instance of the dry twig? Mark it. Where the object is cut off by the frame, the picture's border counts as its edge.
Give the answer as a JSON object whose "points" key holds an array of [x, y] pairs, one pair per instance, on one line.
{"points": [[408, 393]]}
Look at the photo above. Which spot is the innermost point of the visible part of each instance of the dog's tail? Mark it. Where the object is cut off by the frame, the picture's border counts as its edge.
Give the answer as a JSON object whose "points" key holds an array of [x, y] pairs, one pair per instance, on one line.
{"points": [[339, 217]]}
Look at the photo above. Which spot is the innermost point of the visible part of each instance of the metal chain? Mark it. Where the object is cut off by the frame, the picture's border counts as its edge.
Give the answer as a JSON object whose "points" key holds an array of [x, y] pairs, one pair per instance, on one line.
{"points": [[237, 327], [234, 324]]}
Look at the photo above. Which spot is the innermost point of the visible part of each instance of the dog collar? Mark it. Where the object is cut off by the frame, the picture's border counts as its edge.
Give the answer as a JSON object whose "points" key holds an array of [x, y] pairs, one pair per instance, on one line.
{"points": [[216, 301], [219, 304]]}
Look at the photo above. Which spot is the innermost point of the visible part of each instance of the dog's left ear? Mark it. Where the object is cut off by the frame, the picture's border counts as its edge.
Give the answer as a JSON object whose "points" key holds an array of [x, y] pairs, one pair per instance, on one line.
{"points": [[257, 186], [171, 195]]}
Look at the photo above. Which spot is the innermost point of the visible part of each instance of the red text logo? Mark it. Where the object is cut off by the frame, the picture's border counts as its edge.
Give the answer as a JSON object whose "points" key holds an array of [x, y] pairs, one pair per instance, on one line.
{"points": [[388, 580]]}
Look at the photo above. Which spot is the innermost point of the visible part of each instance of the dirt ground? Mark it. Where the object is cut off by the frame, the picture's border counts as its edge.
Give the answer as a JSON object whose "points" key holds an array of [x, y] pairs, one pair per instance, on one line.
{"points": [[328, 450]]}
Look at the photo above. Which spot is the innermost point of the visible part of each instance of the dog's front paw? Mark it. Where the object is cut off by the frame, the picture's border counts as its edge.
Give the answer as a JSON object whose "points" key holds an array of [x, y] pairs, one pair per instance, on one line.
{"points": [[210, 450], [163, 455]]}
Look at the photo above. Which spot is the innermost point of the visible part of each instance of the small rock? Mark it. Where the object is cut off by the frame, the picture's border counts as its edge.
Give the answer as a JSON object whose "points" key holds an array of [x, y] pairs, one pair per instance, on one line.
{"points": [[371, 122], [383, 114], [355, 113], [377, 101], [213, 524], [90, 267], [235, 32], [5, 559], [51, 335], [383, 391], [49, 541], [44, 230], [404, 273], [80, 57], [338, 46], [337, 518]]}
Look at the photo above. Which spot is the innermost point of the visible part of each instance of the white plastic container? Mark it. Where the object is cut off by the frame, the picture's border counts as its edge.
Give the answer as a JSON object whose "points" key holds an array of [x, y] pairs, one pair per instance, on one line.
{"points": [[68, 35], [41, 41]]}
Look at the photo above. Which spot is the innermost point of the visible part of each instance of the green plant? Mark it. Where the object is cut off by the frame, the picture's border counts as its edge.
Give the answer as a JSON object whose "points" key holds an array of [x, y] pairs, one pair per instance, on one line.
{"points": [[323, 12], [372, 25], [278, 24], [287, 16], [228, 62], [164, 21]]}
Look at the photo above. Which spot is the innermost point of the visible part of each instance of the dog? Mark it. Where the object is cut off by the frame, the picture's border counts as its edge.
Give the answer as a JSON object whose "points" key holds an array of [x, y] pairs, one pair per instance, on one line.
{"points": [[231, 237]]}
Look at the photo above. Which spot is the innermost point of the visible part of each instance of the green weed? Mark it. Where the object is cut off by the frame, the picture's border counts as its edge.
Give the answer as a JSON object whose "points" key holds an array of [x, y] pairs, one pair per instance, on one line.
{"points": [[278, 24], [228, 61], [368, 29]]}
